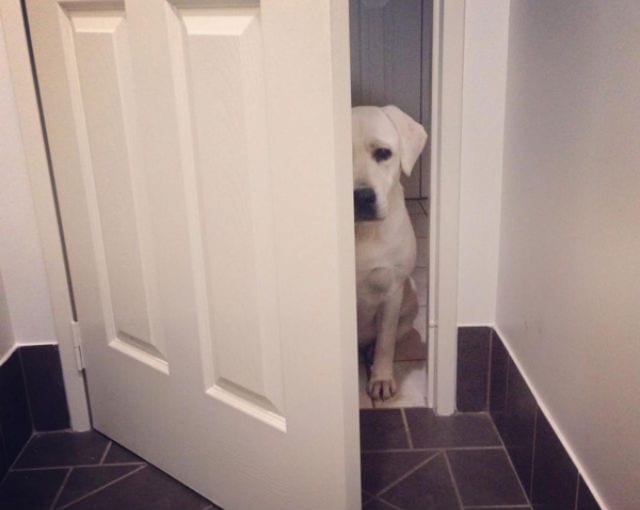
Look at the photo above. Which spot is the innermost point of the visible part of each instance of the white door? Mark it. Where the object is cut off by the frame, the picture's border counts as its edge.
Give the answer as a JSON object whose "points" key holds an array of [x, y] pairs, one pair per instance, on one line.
{"points": [[201, 151]]}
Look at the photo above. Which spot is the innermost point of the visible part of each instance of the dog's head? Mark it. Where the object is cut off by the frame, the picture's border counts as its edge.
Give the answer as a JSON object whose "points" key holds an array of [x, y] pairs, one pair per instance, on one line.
{"points": [[385, 141]]}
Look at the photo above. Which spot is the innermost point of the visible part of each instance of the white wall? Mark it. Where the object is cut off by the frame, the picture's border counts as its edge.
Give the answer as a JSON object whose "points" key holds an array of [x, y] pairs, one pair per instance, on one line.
{"points": [[25, 293], [568, 301], [485, 62]]}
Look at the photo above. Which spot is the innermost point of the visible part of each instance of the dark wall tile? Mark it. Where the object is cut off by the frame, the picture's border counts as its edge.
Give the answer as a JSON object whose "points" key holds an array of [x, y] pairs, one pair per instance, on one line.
{"points": [[555, 477], [15, 417], [4, 460], [473, 368], [586, 501], [513, 409], [498, 381], [545, 469], [518, 425], [45, 387]]}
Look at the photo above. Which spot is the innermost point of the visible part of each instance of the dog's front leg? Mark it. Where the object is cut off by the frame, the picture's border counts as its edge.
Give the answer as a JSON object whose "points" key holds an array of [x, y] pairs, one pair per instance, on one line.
{"points": [[382, 385]]}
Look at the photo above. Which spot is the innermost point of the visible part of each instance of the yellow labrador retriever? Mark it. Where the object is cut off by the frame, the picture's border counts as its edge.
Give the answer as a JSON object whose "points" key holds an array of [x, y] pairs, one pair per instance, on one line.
{"points": [[385, 142]]}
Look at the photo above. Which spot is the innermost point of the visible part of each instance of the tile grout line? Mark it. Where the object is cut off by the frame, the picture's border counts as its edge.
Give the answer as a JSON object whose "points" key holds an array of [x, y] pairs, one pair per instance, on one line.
{"points": [[60, 489], [425, 212], [506, 452], [436, 449], [112, 482], [388, 503], [533, 450], [27, 393], [106, 451], [46, 468], [453, 480], [366, 496], [491, 507], [406, 428], [506, 381], [406, 474], [489, 371], [15, 461], [575, 506]]}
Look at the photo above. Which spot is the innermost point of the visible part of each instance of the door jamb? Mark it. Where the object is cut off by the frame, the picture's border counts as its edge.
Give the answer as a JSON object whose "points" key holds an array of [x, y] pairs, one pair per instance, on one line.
{"points": [[35, 150], [446, 144]]}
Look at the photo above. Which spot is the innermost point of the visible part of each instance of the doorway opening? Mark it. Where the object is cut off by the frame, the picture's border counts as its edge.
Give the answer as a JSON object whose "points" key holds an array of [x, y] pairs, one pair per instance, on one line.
{"points": [[391, 62]]}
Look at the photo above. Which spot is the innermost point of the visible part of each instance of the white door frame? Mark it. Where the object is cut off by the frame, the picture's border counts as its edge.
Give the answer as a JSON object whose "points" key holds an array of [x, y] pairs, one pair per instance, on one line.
{"points": [[446, 148], [36, 158], [447, 77]]}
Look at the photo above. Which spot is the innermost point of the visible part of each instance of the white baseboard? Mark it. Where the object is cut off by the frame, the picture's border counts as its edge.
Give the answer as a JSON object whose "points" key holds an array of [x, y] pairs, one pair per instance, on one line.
{"points": [[8, 354], [550, 418]]}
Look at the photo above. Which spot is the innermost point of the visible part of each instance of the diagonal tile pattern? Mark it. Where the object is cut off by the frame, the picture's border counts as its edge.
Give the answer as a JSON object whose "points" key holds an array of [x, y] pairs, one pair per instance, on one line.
{"points": [[413, 459], [31, 490], [428, 488], [85, 470], [85, 480]]}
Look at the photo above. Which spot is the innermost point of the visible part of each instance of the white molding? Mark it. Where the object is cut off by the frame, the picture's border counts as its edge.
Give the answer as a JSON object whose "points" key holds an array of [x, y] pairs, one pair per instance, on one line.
{"points": [[446, 124], [35, 344], [43, 200], [554, 424], [8, 354], [18, 345]]}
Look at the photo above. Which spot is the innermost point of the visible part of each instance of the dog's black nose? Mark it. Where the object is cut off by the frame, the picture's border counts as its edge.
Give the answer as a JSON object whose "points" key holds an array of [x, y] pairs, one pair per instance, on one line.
{"points": [[364, 203]]}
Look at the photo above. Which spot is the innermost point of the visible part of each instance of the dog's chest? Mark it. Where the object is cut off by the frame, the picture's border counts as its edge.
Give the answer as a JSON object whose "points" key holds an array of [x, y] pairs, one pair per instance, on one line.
{"points": [[385, 255], [377, 271]]}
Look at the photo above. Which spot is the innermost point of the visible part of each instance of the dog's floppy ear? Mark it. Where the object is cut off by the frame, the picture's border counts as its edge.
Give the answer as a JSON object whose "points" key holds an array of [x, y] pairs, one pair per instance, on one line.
{"points": [[412, 137]]}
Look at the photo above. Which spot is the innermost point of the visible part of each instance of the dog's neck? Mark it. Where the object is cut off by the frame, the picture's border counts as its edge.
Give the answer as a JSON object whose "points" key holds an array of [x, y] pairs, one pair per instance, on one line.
{"points": [[375, 229]]}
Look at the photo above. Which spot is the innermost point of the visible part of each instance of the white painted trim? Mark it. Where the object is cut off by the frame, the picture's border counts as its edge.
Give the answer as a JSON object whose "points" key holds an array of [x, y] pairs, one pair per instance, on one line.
{"points": [[35, 344], [8, 354], [42, 191], [18, 345], [554, 424], [446, 130]]}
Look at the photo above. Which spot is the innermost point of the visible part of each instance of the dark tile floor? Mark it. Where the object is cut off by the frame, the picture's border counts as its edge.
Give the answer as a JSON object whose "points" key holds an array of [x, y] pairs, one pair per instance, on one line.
{"points": [[414, 460], [411, 460], [87, 471]]}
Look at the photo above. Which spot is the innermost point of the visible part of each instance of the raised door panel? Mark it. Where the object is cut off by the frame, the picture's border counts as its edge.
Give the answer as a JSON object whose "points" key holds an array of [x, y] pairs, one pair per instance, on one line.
{"points": [[218, 71], [201, 154], [98, 65]]}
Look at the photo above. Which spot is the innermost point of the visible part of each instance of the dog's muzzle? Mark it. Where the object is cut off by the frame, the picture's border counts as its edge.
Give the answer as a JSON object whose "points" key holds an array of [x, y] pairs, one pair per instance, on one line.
{"points": [[364, 204]]}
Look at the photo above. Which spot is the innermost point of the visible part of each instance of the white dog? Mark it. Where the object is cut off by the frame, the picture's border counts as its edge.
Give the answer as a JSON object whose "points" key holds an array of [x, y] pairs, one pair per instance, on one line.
{"points": [[385, 141]]}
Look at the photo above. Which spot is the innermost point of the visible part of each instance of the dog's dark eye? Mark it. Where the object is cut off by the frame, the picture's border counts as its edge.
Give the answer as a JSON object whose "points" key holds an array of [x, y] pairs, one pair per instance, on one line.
{"points": [[381, 154]]}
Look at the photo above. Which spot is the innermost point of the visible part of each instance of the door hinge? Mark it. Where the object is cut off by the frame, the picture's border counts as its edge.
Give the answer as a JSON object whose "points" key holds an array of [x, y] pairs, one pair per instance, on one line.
{"points": [[77, 344]]}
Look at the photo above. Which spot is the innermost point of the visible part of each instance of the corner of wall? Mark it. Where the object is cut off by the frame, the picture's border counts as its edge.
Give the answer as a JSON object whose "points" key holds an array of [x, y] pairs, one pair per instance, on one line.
{"points": [[546, 411]]}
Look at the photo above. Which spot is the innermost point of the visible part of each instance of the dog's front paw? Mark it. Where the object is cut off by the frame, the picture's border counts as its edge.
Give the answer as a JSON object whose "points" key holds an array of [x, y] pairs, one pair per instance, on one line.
{"points": [[382, 385]]}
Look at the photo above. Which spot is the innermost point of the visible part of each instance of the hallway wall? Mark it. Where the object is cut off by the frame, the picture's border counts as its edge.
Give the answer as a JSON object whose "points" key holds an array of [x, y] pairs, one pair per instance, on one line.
{"points": [[569, 276]]}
